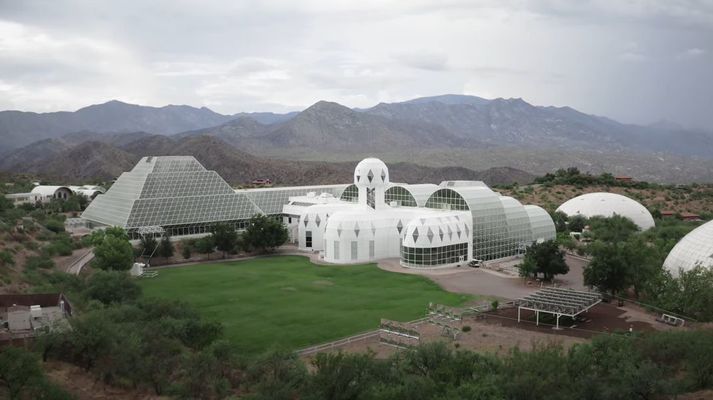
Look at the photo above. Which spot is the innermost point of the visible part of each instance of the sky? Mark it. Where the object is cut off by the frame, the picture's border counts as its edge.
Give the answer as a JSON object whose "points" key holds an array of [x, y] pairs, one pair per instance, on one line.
{"points": [[637, 61]]}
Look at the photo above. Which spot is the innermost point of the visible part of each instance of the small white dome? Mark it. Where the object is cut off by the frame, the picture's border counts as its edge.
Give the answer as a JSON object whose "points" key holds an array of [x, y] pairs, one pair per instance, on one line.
{"points": [[371, 173], [606, 205], [694, 249]]}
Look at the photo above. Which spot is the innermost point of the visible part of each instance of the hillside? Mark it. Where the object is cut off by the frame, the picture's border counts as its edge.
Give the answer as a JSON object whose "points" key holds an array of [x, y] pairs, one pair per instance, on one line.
{"points": [[105, 159], [439, 131], [693, 199]]}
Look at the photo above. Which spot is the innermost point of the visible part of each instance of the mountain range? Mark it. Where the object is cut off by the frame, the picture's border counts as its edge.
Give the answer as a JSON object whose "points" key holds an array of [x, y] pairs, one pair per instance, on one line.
{"points": [[83, 157], [439, 131]]}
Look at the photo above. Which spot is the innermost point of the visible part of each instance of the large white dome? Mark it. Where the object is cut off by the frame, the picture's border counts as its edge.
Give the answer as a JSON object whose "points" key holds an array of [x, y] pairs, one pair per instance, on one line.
{"points": [[606, 205], [694, 249], [371, 172]]}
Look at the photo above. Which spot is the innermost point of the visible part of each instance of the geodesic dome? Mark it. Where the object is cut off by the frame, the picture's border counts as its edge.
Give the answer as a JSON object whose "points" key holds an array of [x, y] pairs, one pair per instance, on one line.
{"points": [[606, 205], [694, 249]]}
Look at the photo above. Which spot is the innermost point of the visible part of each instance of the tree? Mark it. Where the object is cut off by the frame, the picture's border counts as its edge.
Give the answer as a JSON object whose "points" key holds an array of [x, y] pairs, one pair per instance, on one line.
{"points": [[113, 251], [225, 238], [205, 245], [576, 223], [112, 287], [612, 229], [544, 258], [19, 370], [264, 233], [609, 270], [186, 250], [560, 220], [165, 248], [5, 203], [147, 245], [277, 375]]}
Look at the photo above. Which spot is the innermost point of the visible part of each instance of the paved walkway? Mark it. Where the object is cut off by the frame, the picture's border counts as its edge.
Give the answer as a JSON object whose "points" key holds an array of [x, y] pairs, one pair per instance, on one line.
{"points": [[75, 268]]}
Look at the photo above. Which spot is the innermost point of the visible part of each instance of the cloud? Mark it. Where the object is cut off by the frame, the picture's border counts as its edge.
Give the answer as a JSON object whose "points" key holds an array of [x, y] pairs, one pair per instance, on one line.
{"points": [[424, 61], [694, 52], [600, 56]]}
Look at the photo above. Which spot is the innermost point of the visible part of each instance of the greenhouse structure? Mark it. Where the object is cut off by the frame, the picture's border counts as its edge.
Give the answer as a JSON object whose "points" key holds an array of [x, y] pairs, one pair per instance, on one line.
{"points": [[423, 225]]}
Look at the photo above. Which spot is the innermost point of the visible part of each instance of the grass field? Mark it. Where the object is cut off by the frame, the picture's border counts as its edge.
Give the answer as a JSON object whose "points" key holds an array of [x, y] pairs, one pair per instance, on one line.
{"points": [[290, 302]]}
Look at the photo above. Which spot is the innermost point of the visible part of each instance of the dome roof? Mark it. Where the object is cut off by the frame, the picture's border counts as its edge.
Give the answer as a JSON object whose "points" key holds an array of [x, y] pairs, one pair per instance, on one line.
{"points": [[437, 230], [694, 249], [606, 205], [371, 172]]}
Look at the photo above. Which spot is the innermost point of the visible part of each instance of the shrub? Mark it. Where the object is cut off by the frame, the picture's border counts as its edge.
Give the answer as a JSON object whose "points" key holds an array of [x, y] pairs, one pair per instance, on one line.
{"points": [[6, 258], [494, 305], [466, 328], [36, 262], [205, 245], [186, 252], [54, 225]]}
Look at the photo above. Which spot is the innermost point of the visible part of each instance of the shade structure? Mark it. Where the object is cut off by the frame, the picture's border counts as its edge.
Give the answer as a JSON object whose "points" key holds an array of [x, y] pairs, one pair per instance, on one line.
{"points": [[558, 302]]}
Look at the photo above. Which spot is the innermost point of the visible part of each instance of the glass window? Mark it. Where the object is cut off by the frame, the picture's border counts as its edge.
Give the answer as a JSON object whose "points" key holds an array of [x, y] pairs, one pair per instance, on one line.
{"points": [[308, 239], [336, 250], [355, 246]]}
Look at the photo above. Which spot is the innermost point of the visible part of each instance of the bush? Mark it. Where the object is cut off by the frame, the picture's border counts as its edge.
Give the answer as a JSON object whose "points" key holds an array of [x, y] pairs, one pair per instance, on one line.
{"points": [[112, 287], [466, 328], [41, 262], [54, 225], [494, 305], [62, 246], [205, 245], [186, 252], [6, 258]]}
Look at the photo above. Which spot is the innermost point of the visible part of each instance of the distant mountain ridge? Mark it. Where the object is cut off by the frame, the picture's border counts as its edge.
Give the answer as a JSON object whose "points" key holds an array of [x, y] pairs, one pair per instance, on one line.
{"points": [[427, 130], [104, 157]]}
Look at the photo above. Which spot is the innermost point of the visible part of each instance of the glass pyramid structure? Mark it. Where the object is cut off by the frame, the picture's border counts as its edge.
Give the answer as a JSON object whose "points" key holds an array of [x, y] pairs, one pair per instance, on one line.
{"points": [[179, 195], [175, 193]]}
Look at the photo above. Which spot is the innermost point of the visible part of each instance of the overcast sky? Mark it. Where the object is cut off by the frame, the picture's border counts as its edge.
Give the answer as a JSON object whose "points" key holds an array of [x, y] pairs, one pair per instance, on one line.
{"points": [[635, 61]]}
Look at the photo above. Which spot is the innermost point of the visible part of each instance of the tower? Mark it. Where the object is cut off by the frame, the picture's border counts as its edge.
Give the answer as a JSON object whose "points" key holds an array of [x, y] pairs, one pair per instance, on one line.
{"points": [[371, 177]]}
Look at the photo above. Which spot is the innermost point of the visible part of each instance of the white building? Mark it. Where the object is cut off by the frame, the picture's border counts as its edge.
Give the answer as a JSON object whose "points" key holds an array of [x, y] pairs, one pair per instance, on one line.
{"points": [[426, 226], [695, 249], [607, 205]]}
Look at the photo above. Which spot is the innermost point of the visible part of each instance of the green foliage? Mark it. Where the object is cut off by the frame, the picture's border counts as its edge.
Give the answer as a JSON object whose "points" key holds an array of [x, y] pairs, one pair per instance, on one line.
{"points": [[5, 204], [205, 245], [186, 251], [613, 229], [6, 258], [19, 370], [264, 233], [576, 223], [61, 245], [112, 250], [544, 258], [39, 262], [225, 238], [277, 375], [165, 247], [690, 295], [112, 287], [560, 219], [55, 225], [147, 245]]}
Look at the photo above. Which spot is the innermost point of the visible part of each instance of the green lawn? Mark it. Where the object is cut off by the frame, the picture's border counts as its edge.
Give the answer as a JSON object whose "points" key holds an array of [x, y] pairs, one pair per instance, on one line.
{"points": [[289, 301]]}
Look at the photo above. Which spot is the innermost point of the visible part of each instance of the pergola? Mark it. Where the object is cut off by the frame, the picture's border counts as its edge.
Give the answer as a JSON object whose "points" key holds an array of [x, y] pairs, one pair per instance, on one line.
{"points": [[558, 302]]}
